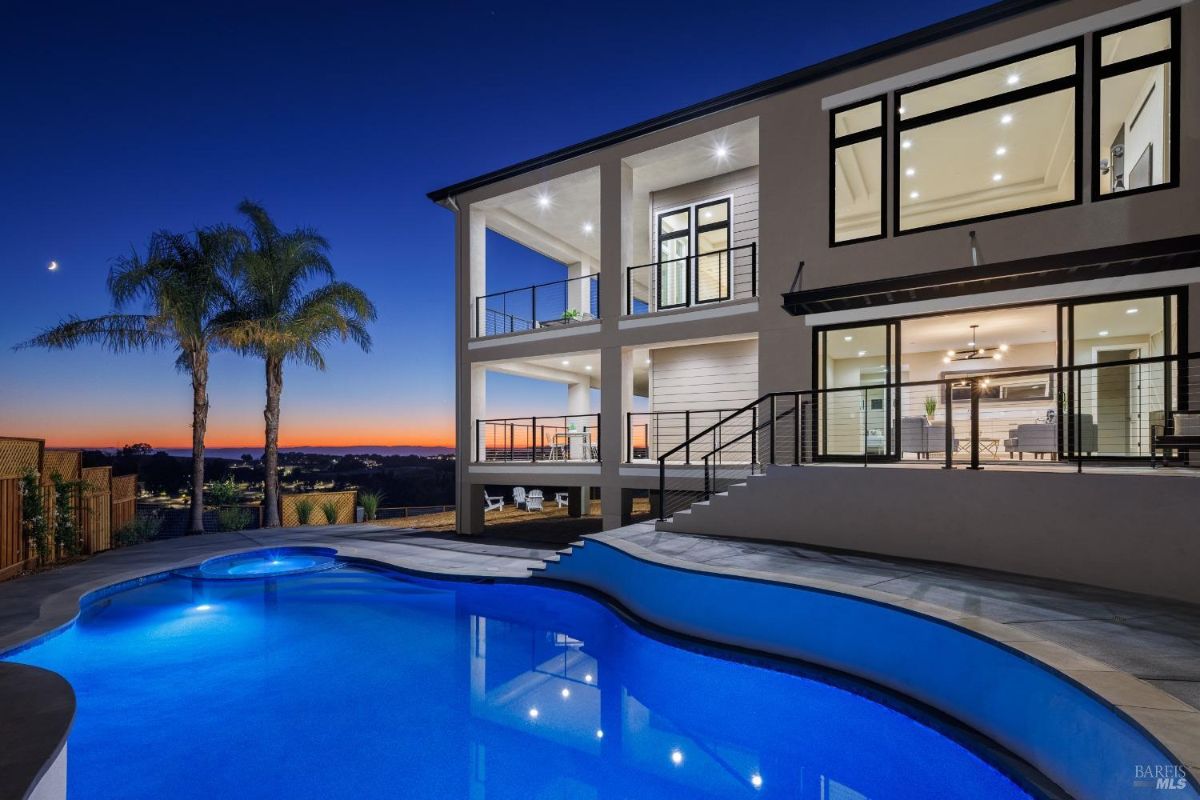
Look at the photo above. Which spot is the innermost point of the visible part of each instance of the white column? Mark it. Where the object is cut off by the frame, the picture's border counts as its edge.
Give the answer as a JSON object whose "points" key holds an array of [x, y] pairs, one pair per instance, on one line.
{"points": [[478, 261], [478, 411]]}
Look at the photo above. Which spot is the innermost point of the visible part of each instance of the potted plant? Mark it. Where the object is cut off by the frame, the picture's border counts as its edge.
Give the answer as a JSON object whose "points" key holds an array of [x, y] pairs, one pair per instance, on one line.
{"points": [[571, 315], [931, 405]]}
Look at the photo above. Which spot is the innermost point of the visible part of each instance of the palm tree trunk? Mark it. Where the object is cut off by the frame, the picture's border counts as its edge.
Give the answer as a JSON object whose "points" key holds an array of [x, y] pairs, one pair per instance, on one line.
{"points": [[199, 426], [271, 450]]}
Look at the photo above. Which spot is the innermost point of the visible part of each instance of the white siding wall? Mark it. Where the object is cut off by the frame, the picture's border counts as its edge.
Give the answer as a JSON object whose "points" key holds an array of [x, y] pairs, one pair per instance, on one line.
{"points": [[696, 377]]}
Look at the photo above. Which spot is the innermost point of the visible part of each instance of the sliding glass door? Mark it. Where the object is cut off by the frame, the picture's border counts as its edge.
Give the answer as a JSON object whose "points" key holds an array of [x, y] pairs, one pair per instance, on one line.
{"points": [[856, 417]]}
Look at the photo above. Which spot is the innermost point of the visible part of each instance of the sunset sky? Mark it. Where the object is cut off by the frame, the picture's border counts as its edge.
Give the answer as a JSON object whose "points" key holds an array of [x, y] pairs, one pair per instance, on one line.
{"points": [[125, 118]]}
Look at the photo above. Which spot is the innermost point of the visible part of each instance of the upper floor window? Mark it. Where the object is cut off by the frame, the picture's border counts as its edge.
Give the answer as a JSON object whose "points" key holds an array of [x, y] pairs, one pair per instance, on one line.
{"points": [[993, 141], [1134, 121], [856, 185]]}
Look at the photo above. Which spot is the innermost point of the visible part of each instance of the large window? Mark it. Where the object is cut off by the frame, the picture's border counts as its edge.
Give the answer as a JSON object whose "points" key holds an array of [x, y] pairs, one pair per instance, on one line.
{"points": [[856, 177], [1135, 127], [993, 141], [694, 256]]}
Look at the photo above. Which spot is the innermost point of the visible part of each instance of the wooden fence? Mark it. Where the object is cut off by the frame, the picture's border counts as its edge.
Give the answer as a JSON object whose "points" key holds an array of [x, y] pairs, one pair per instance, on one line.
{"points": [[346, 502], [99, 503]]}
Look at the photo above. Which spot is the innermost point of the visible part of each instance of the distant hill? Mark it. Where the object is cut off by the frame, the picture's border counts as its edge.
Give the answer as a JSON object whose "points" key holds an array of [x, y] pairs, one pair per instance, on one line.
{"points": [[349, 450]]}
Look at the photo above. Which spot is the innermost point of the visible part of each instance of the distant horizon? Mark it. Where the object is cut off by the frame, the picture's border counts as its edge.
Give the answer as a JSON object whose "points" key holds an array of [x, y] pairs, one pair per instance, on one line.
{"points": [[187, 448]]}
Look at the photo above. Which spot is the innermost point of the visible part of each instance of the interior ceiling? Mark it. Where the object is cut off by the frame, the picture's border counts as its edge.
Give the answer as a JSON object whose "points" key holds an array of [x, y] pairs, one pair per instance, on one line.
{"points": [[989, 83], [573, 203], [696, 158], [1011, 326]]}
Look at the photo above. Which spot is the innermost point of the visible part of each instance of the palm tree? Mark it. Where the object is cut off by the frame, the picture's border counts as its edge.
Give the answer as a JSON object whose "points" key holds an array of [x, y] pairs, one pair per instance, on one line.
{"points": [[184, 280], [281, 317]]}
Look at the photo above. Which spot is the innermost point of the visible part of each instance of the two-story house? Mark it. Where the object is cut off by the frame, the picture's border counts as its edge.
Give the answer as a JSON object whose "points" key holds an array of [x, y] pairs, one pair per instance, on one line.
{"points": [[974, 243]]}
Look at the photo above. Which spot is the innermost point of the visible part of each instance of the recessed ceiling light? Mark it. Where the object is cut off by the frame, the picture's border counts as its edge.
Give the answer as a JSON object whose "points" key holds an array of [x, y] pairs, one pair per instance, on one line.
{"points": [[676, 757], [862, 353], [647, 360], [599, 733], [907, 143], [848, 338], [1006, 119], [1013, 80], [1131, 311], [900, 109], [914, 195], [533, 713], [910, 172], [997, 177], [1104, 333], [588, 367], [1001, 150], [565, 693], [721, 151], [566, 363], [543, 201], [587, 227], [708, 215], [756, 781]]}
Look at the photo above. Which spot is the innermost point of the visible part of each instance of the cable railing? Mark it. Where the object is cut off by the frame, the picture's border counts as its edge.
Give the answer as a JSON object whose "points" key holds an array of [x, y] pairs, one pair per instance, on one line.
{"points": [[649, 434], [1134, 411], [714, 277], [571, 437], [543, 305]]}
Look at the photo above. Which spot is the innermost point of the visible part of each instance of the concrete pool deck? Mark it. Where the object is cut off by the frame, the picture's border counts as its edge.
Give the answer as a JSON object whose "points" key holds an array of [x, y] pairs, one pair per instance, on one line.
{"points": [[1139, 653]]}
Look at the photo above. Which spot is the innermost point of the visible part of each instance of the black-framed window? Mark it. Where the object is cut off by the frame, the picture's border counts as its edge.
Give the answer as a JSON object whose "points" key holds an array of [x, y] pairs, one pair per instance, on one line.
{"points": [[997, 140], [674, 258], [1135, 120], [712, 243], [857, 167]]}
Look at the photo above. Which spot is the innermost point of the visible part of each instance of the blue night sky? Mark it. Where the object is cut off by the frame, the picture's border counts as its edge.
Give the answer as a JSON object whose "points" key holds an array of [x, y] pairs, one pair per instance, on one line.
{"points": [[124, 118]]}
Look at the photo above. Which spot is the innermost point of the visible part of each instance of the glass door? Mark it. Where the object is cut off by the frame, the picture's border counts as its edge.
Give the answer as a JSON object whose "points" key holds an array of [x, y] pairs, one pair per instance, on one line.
{"points": [[856, 413], [674, 241], [712, 252], [1120, 391]]}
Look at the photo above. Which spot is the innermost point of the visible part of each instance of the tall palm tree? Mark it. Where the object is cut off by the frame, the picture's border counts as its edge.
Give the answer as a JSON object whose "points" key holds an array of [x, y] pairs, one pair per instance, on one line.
{"points": [[281, 316], [184, 281]]}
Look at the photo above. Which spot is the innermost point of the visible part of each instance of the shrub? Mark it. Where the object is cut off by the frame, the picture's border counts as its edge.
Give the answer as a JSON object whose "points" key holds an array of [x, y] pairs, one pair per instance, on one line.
{"points": [[304, 509], [233, 518], [223, 493], [66, 536], [370, 502], [140, 529], [33, 521], [330, 509]]}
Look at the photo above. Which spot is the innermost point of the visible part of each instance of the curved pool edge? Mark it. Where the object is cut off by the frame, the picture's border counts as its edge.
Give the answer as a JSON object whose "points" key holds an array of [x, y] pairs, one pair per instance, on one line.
{"points": [[640, 591], [81, 595], [37, 709]]}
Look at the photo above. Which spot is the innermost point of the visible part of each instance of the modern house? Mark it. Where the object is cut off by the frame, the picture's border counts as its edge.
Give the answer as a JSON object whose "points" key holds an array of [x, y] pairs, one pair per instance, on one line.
{"points": [[975, 245]]}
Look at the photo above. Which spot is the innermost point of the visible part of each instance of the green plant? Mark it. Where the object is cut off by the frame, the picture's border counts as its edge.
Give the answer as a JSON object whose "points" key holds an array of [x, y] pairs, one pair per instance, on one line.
{"points": [[281, 317], [66, 535], [33, 517], [185, 281], [571, 314], [304, 509], [138, 530], [224, 493], [931, 405], [233, 518], [370, 502], [330, 510]]}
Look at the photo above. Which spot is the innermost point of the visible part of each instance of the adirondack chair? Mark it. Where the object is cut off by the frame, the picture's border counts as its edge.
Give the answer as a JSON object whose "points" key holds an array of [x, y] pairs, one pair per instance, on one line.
{"points": [[491, 503], [533, 501], [519, 496]]}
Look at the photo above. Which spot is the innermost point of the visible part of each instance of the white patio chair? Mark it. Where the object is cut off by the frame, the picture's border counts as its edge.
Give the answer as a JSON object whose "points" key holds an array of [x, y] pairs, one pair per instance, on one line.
{"points": [[533, 501], [492, 503], [518, 496], [561, 499]]}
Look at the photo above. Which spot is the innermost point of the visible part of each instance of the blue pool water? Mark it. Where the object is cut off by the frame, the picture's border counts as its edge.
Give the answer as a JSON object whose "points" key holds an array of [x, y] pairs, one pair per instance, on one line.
{"points": [[359, 683]]}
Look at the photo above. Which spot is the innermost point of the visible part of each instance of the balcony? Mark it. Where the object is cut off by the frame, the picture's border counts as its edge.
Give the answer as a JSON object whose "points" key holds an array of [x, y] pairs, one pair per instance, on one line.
{"points": [[651, 434], [556, 304], [698, 280], [572, 438]]}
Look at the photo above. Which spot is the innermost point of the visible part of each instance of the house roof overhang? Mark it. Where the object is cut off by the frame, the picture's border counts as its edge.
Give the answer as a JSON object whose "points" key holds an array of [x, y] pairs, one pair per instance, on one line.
{"points": [[1107, 262]]}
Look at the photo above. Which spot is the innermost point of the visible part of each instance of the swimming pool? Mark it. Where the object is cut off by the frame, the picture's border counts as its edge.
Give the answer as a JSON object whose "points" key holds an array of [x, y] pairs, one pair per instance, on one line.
{"points": [[362, 682]]}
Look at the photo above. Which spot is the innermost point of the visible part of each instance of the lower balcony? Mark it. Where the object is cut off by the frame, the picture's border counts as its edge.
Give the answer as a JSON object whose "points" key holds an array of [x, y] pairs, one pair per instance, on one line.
{"points": [[567, 439]]}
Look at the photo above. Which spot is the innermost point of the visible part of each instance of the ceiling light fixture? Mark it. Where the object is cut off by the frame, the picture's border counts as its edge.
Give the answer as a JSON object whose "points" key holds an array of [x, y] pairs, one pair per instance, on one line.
{"points": [[1131, 311], [862, 353], [587, 227], [910, 172], [848, 338], [914, 195], [588, 367], [906, 144], [900, 109], [566, 363], [543, 201], [1006, 119], [1001, 150], [721, 152], [1013, 80], [1104, 333], [997, 177], [756, 781], [974, 351], [676, 757]]}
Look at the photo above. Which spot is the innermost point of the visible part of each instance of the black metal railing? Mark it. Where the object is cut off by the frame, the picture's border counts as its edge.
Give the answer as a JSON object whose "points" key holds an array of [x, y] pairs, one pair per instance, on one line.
{"points": [[649, 434], [1119, 411], [714, 277], [543, 305], [572, 437]]}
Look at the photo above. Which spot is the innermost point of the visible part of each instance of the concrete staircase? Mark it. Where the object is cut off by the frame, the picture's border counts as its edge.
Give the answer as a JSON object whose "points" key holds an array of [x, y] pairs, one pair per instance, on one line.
{"points": [[544, 567], [693, 519]]}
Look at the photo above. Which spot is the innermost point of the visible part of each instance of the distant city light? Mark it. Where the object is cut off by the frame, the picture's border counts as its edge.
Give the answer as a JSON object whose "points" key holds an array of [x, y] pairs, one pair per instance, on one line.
{"points": [[676, 757]]}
